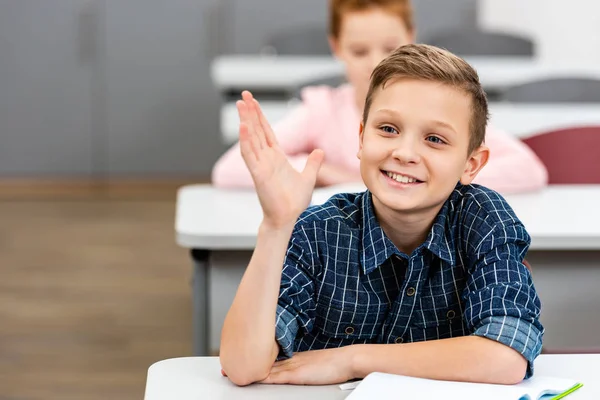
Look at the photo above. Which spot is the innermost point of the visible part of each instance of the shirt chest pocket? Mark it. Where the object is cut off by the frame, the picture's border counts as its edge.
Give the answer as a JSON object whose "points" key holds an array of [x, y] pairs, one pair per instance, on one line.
{"points": [[439, 317], [350, 321]]}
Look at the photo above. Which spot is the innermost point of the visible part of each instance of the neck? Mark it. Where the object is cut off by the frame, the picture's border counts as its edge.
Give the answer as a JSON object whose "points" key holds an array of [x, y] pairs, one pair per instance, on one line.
{"points": [[406, 230]]}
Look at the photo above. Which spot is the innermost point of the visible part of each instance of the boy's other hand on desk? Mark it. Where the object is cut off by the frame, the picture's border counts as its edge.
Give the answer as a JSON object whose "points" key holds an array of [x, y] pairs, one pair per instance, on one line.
{"points": [[315, 367], [284, 193]]}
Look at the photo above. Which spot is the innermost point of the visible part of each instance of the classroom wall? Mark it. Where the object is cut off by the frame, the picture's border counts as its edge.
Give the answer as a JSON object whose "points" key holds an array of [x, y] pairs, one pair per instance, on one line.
{"points": [[566, 33], [241, 26], [106, 89]]}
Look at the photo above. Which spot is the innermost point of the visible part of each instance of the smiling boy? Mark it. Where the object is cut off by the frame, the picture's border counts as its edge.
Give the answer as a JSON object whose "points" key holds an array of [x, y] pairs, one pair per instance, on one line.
{"points": [[420, 275]]}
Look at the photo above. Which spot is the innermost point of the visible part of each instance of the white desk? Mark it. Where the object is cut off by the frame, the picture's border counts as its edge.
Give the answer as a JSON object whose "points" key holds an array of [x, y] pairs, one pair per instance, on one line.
{"points": [[196, 378], [521, 120], [217, 219], [220, 227], [284, 73]]}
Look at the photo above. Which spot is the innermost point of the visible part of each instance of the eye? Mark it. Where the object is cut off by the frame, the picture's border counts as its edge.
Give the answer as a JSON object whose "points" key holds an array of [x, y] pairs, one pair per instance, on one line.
{"points": [[389, 130], [435, 140], [359, 53]]}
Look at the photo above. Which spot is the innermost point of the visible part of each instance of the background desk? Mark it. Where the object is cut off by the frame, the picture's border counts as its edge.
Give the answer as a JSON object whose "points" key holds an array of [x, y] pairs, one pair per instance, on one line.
{"points": [[282, 74], [196, 378], [521, 120], [219, 226]]}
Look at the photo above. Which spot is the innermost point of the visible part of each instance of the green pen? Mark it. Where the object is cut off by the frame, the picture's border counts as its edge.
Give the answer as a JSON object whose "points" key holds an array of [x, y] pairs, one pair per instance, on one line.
{"points": [[567, 392]]}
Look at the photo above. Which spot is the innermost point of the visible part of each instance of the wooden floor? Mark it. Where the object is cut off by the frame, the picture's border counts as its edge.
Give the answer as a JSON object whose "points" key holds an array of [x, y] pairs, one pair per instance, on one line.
{"points": [[91, 293]]}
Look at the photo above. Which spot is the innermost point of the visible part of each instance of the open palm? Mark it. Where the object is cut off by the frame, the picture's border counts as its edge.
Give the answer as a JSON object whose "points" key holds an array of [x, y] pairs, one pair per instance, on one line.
{"points": [[283, 192]]}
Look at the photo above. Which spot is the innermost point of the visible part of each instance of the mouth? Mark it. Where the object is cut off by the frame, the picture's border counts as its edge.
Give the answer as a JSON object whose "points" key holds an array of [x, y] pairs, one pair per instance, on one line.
{"points": [[401, 178]]}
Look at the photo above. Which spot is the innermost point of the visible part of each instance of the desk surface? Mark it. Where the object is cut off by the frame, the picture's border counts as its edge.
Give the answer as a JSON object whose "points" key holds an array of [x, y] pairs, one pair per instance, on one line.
{"points": [[236, 72], [560, 217], [521, 120], [199, 378]]}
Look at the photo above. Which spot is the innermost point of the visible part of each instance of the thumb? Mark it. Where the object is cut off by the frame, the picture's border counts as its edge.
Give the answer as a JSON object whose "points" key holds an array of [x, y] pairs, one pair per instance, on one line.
{"points": [[313, 164]]}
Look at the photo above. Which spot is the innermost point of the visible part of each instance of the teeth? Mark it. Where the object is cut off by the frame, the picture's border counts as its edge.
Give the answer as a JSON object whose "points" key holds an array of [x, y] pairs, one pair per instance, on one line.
{"points": [[400, 178]]}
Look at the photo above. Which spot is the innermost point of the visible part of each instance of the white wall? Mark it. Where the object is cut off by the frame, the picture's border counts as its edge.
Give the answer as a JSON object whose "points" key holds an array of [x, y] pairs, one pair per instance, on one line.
{"points": [[565, 33]]}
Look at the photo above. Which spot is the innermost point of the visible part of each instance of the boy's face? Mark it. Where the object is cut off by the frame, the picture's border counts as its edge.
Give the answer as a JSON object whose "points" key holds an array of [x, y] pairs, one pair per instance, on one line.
{"points": [[413, 148], [365, 38]]}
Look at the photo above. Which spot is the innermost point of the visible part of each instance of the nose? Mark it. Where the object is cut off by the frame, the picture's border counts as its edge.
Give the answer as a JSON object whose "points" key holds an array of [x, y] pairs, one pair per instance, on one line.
{"points": [[406, 149]]}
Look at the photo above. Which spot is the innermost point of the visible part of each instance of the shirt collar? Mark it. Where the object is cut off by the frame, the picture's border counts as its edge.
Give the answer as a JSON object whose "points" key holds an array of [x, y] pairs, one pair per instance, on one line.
{"points": [[377, 247], [440, 240]]}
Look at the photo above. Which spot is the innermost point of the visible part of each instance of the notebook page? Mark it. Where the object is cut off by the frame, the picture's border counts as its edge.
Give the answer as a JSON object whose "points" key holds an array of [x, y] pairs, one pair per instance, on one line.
{"points": [[387, 387]]}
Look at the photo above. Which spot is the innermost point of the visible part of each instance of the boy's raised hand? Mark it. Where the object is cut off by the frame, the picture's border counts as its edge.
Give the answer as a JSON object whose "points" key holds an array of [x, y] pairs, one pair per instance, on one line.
{"points": [[284, 193]]}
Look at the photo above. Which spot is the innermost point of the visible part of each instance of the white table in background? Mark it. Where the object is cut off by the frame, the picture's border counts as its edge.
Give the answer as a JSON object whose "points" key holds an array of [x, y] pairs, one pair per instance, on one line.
{"points": [[285, 73], [199, 378], [219, 227]]}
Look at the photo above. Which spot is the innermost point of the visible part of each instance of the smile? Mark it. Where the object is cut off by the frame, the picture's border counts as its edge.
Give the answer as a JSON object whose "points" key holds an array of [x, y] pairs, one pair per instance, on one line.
{"points": [[401, 178]]}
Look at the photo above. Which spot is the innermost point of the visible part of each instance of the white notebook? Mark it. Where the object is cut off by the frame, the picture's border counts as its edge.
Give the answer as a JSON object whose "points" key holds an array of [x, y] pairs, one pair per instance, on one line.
{"points": [[382, 386]]}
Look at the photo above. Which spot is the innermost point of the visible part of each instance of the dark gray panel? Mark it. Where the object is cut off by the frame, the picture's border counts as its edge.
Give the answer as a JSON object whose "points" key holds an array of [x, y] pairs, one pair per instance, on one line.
{"points": [[162, 109], [45, 88], [433, 16], [244, 26]]}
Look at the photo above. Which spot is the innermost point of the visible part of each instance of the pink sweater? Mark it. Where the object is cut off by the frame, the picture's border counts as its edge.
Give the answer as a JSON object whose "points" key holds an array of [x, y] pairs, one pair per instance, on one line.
{"points": [[328, 119]]}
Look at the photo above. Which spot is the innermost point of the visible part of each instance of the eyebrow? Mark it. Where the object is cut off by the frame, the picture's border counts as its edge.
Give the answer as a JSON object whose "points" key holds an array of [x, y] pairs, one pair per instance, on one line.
{"points": [[394, 113]]}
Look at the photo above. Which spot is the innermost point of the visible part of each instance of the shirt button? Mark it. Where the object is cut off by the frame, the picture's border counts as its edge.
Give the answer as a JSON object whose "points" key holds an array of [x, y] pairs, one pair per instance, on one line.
{"points": [[398, 340], [410, 291], [451, 314], [349, 330]]}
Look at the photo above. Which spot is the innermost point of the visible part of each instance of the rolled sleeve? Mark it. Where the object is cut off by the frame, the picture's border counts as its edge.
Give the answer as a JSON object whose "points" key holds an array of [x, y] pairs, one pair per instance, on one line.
{"points": [[295, 307], [515, 333], [501, 301], [286, 330]]}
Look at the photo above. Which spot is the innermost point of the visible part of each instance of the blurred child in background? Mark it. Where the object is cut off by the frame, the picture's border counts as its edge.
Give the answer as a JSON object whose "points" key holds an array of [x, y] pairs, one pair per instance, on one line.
{"points": [[361, 34]]}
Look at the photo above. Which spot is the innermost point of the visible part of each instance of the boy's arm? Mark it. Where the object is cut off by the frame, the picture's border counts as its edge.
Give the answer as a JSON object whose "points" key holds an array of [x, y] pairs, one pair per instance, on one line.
{"points": [[248, 346], [512, 167], [466, 359]]}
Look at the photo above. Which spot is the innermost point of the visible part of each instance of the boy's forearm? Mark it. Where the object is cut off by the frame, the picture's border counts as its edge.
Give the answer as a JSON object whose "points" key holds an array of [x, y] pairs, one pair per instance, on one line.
{"points": [[468, 359], [248, 347]]}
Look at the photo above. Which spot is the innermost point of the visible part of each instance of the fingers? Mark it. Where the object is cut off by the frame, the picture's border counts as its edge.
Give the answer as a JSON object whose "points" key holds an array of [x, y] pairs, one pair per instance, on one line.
{"points": [[269, 135], [313, 163], [248, 147], [253, 120]]}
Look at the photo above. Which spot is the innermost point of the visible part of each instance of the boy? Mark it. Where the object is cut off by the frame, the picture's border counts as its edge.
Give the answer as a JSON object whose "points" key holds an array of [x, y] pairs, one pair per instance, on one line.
{"points": [[420, 275], [362, 33]]}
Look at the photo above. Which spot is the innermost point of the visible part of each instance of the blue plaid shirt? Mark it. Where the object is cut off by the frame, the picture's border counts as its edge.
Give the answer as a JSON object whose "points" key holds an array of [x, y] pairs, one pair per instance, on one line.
{"points": [[344, 282]]}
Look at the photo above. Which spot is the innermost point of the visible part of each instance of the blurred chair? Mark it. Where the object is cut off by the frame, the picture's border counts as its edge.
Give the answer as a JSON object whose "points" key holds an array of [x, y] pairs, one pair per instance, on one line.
{"points": [[299, 41], [571, 155], [475, 42], [554, 90], [331, 80]]}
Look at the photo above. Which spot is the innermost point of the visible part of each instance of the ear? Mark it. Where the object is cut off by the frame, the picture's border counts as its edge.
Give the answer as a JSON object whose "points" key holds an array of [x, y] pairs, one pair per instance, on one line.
{"points": [[334, 45], [477, 160], [361, 134]]}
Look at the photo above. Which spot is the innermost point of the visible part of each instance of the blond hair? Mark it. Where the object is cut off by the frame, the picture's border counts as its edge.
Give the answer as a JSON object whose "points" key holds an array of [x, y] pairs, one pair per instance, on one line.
{"points": [[429, 63], [337, 9]]}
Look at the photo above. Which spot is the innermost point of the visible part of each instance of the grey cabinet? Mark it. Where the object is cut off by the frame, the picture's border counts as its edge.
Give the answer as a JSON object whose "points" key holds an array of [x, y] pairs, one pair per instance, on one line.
{"points": [[162, 110], [45, 89], [106, 89]]}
